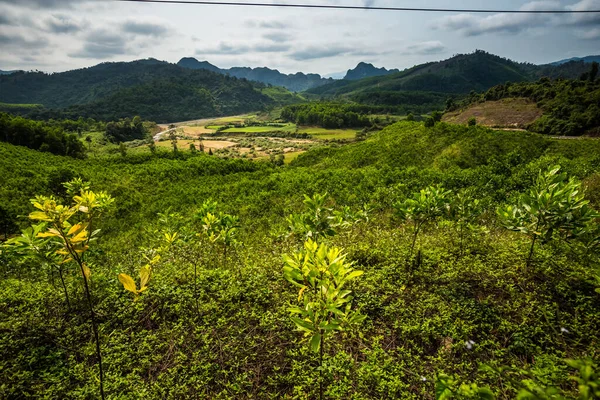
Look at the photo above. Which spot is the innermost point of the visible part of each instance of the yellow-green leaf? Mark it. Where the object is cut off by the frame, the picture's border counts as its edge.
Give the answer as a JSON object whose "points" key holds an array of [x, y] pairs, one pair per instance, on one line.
{"points": [[128, 283], [87, 271], [39, 215], [75, 228], [145, 275]]}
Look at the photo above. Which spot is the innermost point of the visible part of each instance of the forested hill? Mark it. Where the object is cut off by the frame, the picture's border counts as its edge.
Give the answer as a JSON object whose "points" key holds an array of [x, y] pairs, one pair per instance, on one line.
{"points": [[568, 106], [460, 74], [297, 82], [366, 70], [153, 89]]}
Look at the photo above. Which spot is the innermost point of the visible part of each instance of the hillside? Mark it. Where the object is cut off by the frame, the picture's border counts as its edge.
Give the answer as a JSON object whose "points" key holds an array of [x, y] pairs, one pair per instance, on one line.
{"points": [[557, 107], [366, 70], [586, 59], [214, 319], [514, 113], [456, 76], [297, 82], [153, 89]]}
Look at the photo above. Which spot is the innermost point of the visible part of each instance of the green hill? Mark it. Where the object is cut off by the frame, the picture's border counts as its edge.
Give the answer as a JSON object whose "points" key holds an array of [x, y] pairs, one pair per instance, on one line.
{"points": [[153, 89], [456, 76], [216, 324], [557, 107]]}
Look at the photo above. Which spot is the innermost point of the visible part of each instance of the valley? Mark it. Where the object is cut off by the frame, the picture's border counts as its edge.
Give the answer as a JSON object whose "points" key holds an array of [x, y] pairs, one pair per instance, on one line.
{"points": [[186, 231]]}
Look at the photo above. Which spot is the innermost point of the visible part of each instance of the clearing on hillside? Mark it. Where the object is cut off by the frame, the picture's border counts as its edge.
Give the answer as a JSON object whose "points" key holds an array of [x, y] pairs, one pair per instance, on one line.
{"points": [[516, 113]]}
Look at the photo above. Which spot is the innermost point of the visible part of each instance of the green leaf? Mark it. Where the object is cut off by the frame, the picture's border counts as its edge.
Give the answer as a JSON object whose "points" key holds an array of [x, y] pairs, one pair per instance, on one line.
{"points": [[315, 342]]}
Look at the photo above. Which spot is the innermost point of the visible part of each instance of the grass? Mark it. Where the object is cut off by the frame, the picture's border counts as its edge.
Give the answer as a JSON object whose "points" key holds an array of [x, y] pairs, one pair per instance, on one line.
{"points": [[328, 134], [291, 156], [262, 129]]}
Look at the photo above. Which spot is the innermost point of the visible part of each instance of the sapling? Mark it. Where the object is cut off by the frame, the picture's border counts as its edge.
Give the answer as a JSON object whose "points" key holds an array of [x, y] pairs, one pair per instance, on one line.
{"points": [[425, 206], [321, 273], [464, 210], [42, 249], [71, 229], [554, 207]]}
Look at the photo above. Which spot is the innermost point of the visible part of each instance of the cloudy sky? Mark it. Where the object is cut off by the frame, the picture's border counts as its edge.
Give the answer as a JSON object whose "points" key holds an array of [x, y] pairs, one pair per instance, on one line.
{"points": [[59, 35]]}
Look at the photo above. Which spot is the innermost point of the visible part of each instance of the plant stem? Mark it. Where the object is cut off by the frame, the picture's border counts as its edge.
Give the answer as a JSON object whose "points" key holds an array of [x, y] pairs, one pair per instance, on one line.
{"points": [[531, 250], [90, 305], [321, 369], [62, 279]]}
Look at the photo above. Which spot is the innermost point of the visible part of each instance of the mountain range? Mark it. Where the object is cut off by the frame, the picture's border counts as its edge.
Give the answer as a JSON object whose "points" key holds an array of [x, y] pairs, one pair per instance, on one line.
{"points": [[297, 82], [458, 75], [587, 59], [165, 92]]}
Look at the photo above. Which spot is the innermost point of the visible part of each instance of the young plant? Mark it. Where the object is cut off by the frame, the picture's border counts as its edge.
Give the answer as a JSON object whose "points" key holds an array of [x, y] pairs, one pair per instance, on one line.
{"points": [[70, 228], [555, 206], [129, 283], [42, 249], [464, 210], [426, 206], [321, 274], [317, 221]]}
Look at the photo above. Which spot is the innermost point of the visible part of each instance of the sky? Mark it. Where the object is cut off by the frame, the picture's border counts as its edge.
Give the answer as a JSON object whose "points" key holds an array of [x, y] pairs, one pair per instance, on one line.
{"points": [[60, 35]]}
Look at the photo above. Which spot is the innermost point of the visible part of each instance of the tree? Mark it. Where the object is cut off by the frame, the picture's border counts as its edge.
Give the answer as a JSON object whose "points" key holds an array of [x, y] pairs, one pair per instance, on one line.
{"points": [[410, 117], [123, 149], [88, 139], [554, 207], [71, 229], [425, 206], [472, 121], [321, 274], [593, 72]]}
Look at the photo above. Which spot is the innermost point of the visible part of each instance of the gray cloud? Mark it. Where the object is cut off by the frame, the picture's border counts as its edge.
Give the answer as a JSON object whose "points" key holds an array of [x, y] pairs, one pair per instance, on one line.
{"points": [[425, 48], [100, 43], [471, 25], [271, 48], [238, 49], [279, 37], [146, 27], [267, 24], [60, 23], [224, 49], [591, 20], [47, 4], [17, 41], [327, 51]]}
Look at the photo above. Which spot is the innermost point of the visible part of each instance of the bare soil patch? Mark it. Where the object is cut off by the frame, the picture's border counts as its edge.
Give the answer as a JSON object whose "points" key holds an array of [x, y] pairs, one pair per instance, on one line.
{"points": [[515, 113]]}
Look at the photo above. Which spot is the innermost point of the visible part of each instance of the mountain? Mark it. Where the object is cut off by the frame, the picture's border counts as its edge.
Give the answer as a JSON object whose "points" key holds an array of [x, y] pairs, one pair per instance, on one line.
{"points": [[456, 76], [366, 70], [153, 89], [297, 82], [192, 63], [7, 72], [586, 59]]}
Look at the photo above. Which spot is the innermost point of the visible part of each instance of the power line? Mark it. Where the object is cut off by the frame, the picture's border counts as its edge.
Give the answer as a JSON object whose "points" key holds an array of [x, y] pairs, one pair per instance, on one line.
{"points": [[340, 7]]}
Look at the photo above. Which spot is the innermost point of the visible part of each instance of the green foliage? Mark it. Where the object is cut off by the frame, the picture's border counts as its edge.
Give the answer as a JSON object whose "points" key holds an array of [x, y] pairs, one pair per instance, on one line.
{"points": [[125, 130], [152, 89], [570, 106], [321, 273], [328, 115], [201, 331], [39, 136], [424, 207], [472, 121], [554, 207]]}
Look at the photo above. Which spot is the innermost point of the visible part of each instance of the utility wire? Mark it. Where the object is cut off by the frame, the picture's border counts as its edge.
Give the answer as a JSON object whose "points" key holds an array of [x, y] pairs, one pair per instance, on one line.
{"points": [[340, 7]]}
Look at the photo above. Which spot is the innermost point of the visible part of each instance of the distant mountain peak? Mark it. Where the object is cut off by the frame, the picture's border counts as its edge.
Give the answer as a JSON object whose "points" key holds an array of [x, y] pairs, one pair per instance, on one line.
{"points": [[297, 82], [366, 70]]}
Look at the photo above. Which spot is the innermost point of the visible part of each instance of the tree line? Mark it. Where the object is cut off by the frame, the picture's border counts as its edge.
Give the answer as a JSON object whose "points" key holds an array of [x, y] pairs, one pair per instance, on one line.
{"points": [[39, 136]]}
